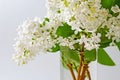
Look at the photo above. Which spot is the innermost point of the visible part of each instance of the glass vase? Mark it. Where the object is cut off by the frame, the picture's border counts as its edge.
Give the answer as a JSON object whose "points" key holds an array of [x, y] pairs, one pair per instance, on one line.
{"points": [[65, 74]]}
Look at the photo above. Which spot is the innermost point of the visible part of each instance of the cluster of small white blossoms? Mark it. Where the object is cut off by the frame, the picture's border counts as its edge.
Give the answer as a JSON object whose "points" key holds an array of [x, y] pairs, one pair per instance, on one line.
{"points": [[88, 15], [80, 14], [85, 14], [114, 26], [33, 37], [90, 42]]}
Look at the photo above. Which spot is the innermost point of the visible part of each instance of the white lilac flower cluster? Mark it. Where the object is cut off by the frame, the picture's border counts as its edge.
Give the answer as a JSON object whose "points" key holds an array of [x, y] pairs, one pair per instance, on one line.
{"points": [[82, 15], [32, 38]]}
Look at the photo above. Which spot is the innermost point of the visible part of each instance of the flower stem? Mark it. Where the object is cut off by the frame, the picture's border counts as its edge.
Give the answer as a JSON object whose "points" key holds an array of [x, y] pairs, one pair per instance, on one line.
{"points": [[71, 71], [81, 61], [88, 73], [80, 67], [85, 67]]}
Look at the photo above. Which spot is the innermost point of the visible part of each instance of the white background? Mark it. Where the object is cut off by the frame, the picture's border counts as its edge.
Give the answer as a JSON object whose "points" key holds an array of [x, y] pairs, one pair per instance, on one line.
{"points": [[44, 66], [12, 14]]}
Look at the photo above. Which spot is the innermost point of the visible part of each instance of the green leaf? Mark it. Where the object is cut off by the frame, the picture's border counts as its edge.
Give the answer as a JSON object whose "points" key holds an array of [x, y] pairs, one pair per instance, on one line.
{"points": [[64, 63], [55, 48], [77, 46], [103, 58], [104, 45], [69, 56], [107, 3], [64, 30], [104, 40], [118, 45], [117, 2], [90, 55]]}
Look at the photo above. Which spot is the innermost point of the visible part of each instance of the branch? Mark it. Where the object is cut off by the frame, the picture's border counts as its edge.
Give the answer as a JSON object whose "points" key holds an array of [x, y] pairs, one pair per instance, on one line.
{"points": [[85, 67], [80, 67], [88, 73], [81, 61], [71, 71]]}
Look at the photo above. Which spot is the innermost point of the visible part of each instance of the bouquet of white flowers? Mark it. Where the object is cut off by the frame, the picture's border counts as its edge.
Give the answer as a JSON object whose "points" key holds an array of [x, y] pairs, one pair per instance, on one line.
{"points": [[79, 29]]}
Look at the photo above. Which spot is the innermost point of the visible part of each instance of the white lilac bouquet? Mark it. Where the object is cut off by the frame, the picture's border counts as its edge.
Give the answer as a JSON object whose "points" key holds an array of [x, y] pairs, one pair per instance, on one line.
{"points": [[79, 29]]}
